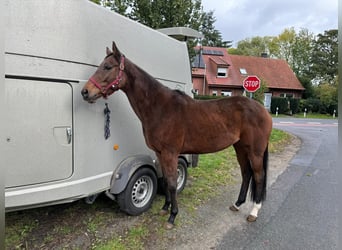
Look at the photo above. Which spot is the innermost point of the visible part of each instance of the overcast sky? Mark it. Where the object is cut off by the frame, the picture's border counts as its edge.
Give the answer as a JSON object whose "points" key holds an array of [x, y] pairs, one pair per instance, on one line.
{"points": [[241, 19]]}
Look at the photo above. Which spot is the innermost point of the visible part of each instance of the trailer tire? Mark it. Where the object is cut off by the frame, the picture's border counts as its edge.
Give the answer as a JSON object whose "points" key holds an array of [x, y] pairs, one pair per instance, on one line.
{"points": [[139, 192], [182, 171]]}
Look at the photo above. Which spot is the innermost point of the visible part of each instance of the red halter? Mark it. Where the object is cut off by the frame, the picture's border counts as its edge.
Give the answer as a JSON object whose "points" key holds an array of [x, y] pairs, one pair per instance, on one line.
{"points": [[113, 85]]}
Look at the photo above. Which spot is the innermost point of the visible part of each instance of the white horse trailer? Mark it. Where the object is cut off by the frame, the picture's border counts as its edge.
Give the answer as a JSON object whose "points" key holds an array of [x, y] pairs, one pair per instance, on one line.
{"points": [[55, 150]]}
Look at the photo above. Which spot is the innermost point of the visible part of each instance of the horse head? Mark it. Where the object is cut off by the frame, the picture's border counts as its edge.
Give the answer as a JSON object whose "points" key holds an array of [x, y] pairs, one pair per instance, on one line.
{"points": [[108, 78]]}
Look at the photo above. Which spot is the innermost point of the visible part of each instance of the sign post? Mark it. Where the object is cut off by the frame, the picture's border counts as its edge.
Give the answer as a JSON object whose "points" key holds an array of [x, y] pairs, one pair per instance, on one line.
{"points": [[251, 84]]}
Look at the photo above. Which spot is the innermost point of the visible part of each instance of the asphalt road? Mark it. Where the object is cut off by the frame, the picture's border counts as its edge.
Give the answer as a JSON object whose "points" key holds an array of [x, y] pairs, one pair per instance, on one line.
{"points": [[301, 211]]}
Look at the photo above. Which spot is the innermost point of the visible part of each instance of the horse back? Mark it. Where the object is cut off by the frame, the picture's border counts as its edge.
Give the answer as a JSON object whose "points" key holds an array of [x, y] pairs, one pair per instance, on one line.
{"points": [[213, 125]]}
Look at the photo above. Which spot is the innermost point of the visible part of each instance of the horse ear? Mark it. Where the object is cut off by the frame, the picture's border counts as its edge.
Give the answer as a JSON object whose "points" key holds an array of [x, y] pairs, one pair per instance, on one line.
{"points": [[108, 51], [116, 51]]}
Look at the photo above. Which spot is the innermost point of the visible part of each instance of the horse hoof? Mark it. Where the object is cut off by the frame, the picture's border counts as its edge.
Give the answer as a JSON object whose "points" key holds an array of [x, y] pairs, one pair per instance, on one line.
{"points": [[234, 208], [251, 218], [163, 212], [168, 226]]}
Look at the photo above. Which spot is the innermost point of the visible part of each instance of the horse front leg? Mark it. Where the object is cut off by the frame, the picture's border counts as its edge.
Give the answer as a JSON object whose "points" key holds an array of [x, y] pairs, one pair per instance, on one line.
{"points": [[165, 208], [174, 207], [169, 168]]}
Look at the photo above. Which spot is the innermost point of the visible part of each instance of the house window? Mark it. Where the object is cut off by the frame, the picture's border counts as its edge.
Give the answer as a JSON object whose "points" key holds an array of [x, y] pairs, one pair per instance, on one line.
{"points": [[243, 71], [286, 95], [222, 72], [226, 93], [195, 91], [214, 93]]}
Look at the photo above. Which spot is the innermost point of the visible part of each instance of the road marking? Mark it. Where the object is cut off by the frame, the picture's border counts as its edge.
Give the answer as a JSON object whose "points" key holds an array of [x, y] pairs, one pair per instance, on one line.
{"points": [[308, 124]]}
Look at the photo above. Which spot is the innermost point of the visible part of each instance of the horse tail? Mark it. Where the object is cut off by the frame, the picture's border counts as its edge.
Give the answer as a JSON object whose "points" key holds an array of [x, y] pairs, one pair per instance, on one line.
{"points": [[264, 184]]}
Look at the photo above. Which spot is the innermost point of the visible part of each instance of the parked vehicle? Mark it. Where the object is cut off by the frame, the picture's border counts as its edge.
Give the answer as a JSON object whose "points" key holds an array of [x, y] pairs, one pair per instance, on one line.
{"points": [[55, 151]]}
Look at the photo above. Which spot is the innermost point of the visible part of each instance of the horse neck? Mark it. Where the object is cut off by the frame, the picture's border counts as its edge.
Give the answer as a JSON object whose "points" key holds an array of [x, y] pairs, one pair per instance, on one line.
{"points": [[143, 92]]}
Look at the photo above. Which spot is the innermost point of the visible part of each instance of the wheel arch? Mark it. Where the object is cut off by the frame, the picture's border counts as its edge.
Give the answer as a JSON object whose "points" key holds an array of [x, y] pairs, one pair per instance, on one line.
{"points": [[126, 170], [185, 159]]}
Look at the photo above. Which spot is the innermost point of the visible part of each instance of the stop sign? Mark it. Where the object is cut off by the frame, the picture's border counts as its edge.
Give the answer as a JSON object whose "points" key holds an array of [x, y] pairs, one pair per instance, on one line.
{"points": [[251, 83]]}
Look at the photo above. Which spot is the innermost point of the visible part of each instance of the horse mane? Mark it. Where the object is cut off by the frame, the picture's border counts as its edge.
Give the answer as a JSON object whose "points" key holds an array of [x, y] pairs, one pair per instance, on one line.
{"points": [[180, 92], [154, 84]]}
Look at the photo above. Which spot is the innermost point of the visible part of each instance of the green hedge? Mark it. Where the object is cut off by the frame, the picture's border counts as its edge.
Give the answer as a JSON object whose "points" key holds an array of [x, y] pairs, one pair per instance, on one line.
{"points": [[207, 97], [294, 105], [315, 105], [285, 105], [280, 103], [310, 105], [291, 105]]}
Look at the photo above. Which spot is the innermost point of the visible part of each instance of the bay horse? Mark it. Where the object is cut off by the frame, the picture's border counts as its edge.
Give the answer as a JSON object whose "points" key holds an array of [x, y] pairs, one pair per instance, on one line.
{"points": [[174, 123]]}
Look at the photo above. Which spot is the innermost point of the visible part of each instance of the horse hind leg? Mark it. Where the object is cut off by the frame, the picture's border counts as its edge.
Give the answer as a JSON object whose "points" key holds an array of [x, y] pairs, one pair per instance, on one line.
{"points": [[258, 185], [246, 173]]}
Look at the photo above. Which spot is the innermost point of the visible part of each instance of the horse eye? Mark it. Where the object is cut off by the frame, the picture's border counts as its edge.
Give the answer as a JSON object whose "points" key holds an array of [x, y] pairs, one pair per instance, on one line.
{"points": [[107, 67]]}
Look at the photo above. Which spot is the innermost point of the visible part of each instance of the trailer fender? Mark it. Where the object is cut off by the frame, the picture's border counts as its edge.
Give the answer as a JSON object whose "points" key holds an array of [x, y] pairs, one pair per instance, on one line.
{"points": [[126, 169]]}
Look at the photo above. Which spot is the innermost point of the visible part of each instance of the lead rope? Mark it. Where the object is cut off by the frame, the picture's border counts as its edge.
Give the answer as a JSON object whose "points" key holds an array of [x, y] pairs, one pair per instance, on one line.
{"points": [[106, 112]]}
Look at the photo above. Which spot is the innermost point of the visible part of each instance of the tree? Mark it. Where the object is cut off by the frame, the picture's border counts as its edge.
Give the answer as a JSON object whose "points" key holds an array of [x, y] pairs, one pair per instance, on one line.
{"points": [[301, 50], [254, 46], [159, 14], [283, 45], [212, 37], [119, 6], [327, 94], [259, 94], [164, 13], [325, 57]]}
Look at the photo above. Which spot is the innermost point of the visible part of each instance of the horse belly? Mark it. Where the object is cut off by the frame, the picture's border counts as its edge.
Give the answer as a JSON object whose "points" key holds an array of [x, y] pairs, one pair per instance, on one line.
{"points": [[202, 144]]}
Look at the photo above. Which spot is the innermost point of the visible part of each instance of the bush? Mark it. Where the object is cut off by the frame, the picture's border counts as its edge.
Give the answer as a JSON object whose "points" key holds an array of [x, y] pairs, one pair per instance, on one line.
{"points": [[311, 105], [207, 97], [315, 105], [281, 103], [332, 108], [294, 105]]}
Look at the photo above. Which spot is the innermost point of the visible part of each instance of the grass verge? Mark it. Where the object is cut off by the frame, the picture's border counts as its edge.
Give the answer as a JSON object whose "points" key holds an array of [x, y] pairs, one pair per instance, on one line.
{"points": [[102, 226]]}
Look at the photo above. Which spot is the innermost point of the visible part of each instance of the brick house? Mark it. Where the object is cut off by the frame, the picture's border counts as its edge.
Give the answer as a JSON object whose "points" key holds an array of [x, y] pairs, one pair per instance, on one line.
{"points": [[215, 72]]}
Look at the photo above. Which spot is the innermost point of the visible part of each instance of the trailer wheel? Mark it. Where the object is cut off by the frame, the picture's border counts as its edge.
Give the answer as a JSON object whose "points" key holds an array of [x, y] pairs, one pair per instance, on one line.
{"points": [[139, 192], [182, 171]]}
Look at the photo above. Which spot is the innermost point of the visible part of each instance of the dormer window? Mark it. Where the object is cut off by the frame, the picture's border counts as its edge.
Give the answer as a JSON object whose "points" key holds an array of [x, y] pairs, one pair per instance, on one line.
{"points": [[243, 71], [222, 72]]}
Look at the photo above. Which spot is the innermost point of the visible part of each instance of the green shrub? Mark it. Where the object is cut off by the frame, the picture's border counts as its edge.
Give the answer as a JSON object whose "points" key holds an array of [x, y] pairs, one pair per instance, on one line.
{"points": [[313, 105], [294, 105], [207, 97], [281, 103]]}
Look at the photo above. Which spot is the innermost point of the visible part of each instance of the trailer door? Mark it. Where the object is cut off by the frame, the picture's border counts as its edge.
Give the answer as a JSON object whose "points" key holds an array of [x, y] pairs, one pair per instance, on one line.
{"points": [[39, 131]]}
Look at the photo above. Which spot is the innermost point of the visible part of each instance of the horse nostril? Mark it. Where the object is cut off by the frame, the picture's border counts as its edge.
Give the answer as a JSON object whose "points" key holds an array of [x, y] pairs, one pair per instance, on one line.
{"points": [[85, 93]]}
